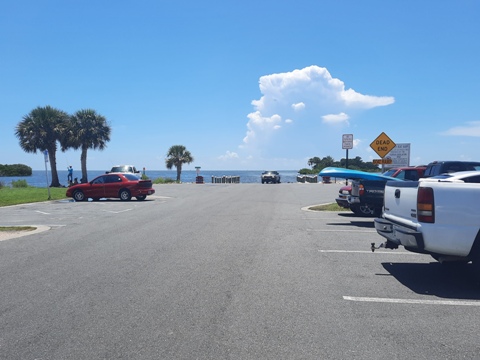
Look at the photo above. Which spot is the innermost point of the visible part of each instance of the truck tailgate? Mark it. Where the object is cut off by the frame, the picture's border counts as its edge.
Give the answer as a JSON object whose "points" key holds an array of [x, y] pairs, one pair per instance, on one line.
{"points": [[400, 200]]}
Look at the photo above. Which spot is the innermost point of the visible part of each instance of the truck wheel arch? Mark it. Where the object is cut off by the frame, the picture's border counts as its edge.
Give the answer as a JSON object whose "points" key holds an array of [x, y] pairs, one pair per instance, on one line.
{"points": [[475, 256]]}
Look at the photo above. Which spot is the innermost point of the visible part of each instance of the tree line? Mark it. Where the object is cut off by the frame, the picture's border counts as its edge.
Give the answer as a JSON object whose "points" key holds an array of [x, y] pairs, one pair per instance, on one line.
{"points": [[356, 163], [15, 170], [45, 129]]}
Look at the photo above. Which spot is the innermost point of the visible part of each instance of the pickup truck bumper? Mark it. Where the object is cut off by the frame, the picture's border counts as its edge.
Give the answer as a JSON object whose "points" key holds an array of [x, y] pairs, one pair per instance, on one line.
{"points": [[343, 201], [353, 199], [400, 235]]}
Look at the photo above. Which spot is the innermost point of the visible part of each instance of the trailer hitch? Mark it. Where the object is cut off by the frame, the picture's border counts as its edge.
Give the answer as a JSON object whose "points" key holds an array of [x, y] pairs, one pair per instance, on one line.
{"points": [[385, 245], [373, 247]]}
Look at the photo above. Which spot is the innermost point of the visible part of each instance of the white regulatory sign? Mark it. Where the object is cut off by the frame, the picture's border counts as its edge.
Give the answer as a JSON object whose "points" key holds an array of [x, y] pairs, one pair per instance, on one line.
{"points": [[400, 156], [347, 141]]}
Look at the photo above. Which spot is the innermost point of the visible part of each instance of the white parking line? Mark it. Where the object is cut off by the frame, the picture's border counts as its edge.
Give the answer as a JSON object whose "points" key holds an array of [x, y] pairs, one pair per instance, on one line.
{"points": [[42, 212], [117, 212], [413, 301], [337, 230], [370, 252]]}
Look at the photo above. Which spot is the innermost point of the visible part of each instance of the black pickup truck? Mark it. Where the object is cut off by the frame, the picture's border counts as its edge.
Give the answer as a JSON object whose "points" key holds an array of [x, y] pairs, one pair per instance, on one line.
{"points": [[367, 198], [367, 194]]}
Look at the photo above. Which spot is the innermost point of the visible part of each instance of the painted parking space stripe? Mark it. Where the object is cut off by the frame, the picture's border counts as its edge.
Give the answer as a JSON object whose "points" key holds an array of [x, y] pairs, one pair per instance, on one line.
{"points": [[370, 252], [118, 212], [413, 301], [340, 230]]}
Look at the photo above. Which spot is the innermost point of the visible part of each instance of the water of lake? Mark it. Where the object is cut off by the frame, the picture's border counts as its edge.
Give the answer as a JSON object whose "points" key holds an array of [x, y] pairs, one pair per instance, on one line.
{"points": [[39, 177]]}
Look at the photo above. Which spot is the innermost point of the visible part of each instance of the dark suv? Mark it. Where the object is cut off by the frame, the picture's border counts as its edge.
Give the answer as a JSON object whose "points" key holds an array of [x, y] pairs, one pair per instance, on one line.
{"points": [[443, 167], [270, 177]]}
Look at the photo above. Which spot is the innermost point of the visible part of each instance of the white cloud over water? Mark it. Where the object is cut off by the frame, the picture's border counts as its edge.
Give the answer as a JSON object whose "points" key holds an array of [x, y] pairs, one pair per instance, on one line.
{"points": [[304, 95], [228, 155]]}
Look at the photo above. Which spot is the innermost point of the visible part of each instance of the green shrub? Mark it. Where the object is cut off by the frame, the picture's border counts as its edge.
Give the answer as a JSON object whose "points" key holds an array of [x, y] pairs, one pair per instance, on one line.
{"points": [[161, 180], [2, 185], [19, 184]]}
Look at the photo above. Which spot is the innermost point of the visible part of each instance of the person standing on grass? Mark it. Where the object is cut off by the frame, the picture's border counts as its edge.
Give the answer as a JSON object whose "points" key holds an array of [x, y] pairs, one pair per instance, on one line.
{"points": [[70, 175]]}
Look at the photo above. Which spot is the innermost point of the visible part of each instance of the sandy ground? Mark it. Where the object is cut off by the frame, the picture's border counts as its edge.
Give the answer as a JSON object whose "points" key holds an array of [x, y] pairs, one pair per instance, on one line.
{"points": [[7, 235]]}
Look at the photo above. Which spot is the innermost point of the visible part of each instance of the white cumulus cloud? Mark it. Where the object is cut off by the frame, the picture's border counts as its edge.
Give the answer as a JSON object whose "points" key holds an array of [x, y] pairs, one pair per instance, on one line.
{"points": [[298, 106], [472, 128], [303, 96], [228, 155], [336, 118]]}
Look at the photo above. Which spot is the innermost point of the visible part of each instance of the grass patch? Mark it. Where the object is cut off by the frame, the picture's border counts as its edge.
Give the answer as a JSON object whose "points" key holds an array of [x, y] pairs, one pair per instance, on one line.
{"points": [[17, 228], [327, 207], [20, 183], [15, 196], [162, 180]]}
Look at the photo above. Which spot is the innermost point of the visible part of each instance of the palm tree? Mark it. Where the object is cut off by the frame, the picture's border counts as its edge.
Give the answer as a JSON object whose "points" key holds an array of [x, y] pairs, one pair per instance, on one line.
{"points": [[39, 131], [313, 162], [86, 130], [177, 156]]}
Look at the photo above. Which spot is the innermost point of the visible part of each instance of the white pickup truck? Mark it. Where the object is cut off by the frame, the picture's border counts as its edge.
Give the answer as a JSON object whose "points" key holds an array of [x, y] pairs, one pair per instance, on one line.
{"points": [[439, 216]]}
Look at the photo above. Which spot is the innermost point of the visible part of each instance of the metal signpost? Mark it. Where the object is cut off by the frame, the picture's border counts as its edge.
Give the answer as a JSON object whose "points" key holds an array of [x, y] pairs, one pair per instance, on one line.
{"points": [[347, 143], [45, 153]]}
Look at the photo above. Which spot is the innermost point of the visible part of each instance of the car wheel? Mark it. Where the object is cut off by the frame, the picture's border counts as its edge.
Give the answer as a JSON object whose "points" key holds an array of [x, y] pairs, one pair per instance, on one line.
{"points": [[79, 195], [124, 195], [362, 210], [141, 197]]}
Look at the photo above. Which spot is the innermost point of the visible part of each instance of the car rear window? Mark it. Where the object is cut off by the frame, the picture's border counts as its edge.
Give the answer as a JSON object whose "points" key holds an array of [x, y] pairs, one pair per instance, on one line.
{"points": [[131, 177]]}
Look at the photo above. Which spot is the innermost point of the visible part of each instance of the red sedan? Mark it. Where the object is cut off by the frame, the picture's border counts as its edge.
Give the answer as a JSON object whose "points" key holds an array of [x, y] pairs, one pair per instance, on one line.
{"points": [[113, 185]]}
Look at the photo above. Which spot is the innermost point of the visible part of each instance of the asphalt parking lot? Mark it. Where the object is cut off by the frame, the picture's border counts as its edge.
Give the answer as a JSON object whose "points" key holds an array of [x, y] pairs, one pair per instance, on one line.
{"points": [[239, 271]]}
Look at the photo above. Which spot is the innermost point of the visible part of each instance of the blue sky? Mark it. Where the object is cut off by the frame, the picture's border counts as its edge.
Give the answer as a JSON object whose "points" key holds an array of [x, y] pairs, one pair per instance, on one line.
{"points": [[245, 85]]}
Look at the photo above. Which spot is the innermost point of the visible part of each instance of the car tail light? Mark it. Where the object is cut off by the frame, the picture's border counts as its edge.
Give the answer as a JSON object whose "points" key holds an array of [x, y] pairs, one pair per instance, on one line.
{"points": [[361, 190], [425, 205]]}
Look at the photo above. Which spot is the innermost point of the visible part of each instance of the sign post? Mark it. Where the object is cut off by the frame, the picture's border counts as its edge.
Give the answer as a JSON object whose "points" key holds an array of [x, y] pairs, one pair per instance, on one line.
{"points": [[347, 143], [45, 153]]}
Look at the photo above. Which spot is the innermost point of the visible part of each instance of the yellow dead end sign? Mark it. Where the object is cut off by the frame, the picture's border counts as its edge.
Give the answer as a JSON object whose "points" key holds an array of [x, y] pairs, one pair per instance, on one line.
{"points": [[382, 145]]}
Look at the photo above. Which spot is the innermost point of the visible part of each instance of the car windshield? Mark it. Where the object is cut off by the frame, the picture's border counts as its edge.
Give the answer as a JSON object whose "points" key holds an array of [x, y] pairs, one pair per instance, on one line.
{"points": [[389, 172], [120, 169]]}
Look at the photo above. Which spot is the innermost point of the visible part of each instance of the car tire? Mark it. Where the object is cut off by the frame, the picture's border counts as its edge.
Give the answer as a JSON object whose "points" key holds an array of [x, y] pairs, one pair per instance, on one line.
{"points": [[362, 210], [141, 197], [124, 195], [79, 195]]}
